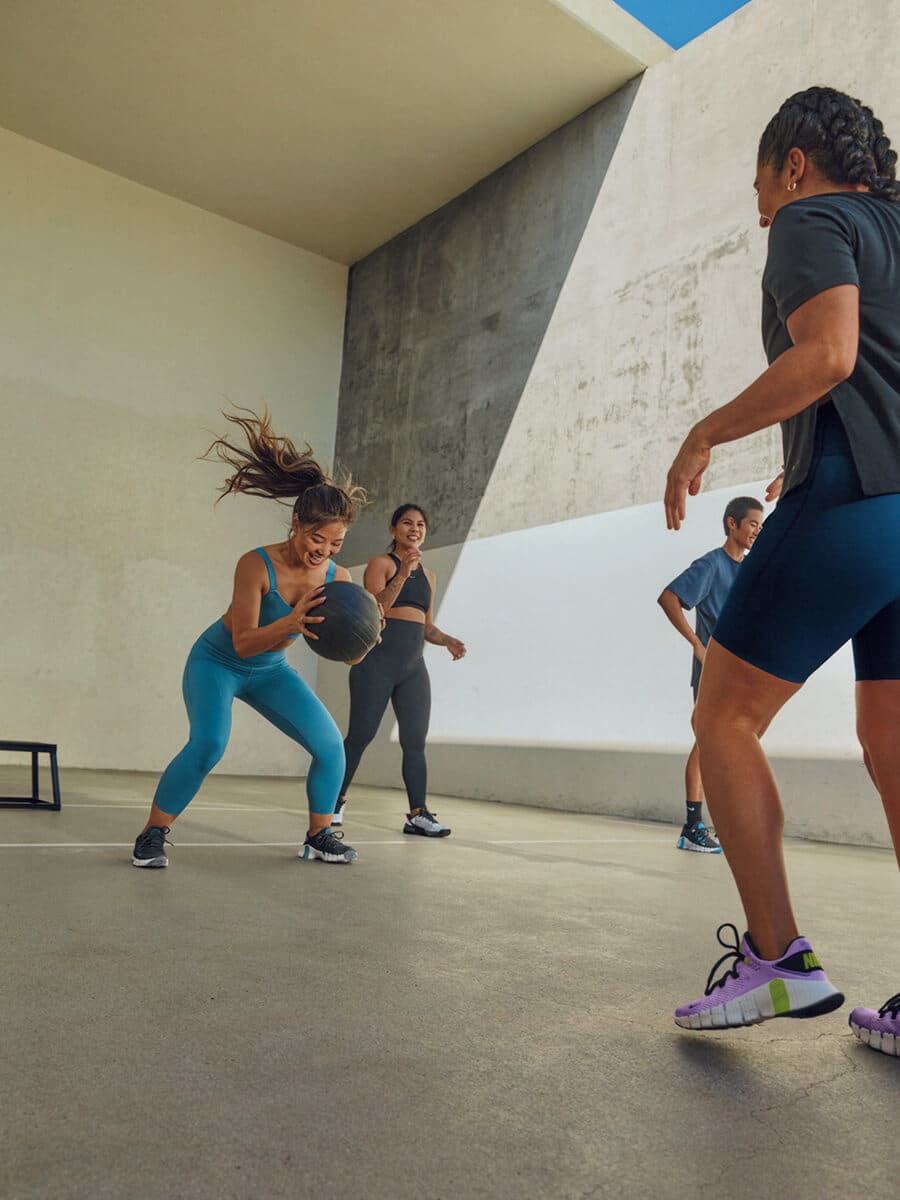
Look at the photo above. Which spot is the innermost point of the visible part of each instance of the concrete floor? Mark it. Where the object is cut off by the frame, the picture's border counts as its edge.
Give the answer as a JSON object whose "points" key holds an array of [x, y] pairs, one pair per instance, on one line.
{"points": [[487, 1016]]}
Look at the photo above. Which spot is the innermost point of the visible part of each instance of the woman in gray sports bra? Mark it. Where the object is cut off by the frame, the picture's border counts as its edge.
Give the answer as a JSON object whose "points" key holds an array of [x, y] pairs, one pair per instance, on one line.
{"points": [[395, 670]]}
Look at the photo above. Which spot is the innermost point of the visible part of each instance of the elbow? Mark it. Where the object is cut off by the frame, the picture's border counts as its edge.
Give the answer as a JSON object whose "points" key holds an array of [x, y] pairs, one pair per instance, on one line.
{"points": [[240, 647], [837, 363]]}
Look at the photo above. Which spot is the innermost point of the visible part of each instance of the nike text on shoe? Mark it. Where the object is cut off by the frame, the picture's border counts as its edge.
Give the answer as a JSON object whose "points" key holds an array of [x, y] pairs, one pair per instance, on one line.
{"points": [[879, 1030], [327, 846], [426, 824], [755, 989], [150, 847], [698, 837]]}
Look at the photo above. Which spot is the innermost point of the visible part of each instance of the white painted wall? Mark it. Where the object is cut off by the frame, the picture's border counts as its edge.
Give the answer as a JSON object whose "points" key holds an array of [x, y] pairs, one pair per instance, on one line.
{"points": [[587, 659], [127, 321]]}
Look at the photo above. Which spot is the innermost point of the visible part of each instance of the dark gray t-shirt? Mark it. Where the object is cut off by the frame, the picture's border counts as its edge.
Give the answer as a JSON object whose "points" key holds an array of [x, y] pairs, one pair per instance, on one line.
{"points": [[821, 243], [704, 586]]}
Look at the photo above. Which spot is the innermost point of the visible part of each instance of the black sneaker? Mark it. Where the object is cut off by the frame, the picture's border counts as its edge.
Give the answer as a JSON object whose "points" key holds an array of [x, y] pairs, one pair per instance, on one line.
{"points": [[150, 847], [426, 824], [328, 846], [698, 837]]}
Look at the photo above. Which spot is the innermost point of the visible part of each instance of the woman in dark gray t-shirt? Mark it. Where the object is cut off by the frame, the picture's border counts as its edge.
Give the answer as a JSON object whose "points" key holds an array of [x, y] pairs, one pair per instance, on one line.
{"points": [[826, 568]]}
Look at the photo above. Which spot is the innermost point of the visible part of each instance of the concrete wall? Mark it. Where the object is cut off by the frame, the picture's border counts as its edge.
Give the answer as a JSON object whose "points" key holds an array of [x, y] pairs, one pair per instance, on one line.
{"points": [[128, 321], [445, 322], [655, 320]]}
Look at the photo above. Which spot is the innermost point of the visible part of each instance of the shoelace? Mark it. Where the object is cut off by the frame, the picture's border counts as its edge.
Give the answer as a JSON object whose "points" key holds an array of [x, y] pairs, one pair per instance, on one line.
{"points": [[734, 952], [429, 816], [157, 838], [890, 1008], [330, 841]]}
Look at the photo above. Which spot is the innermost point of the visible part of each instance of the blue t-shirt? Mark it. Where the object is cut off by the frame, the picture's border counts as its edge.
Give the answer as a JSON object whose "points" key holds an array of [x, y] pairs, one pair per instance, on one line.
{"points": [[704, 586]]}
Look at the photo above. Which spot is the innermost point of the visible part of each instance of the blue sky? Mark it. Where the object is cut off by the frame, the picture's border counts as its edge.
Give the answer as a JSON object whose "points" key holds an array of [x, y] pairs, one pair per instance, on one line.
{"points": [[678, 21]]}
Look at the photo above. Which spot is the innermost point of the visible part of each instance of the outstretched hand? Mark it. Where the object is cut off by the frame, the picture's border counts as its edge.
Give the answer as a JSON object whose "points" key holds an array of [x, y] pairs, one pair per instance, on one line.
{"points": [[684, 478]]}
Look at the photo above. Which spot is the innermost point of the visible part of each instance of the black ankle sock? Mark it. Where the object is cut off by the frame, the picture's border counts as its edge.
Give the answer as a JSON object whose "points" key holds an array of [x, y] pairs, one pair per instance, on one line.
{"points": [[694, 813]]}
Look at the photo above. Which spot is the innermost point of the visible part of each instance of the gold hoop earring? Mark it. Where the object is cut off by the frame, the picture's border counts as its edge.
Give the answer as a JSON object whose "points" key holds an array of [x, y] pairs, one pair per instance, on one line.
{"points": [[792, 186]]}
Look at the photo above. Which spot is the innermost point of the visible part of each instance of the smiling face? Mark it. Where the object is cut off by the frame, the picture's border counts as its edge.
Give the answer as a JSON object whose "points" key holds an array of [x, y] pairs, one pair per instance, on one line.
{"points": [[746, 533], [315, 544], [409, 530]]}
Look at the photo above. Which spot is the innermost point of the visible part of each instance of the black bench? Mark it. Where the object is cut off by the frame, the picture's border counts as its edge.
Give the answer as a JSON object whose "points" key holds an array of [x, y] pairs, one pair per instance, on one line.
{"points": [[35, 801]]}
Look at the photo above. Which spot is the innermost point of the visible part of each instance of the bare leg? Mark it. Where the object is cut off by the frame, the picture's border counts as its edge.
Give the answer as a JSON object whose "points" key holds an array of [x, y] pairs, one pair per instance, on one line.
{"points": [[877, 723], [736, 703], [693, 783], [159, 819]]}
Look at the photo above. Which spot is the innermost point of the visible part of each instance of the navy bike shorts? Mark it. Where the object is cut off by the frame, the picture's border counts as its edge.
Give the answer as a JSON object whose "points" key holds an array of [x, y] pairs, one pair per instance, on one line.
{"points": [[824, 570]]}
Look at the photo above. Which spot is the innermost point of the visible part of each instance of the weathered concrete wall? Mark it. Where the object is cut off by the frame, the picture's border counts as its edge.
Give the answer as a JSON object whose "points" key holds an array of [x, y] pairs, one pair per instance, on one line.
{"points": [[444, 324]]}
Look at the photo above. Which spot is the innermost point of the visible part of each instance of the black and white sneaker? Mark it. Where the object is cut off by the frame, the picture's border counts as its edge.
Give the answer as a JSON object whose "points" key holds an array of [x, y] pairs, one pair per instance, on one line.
{"points": [[426, 824], [337, 817], [150, 847], [328, 846], [698, 838]]}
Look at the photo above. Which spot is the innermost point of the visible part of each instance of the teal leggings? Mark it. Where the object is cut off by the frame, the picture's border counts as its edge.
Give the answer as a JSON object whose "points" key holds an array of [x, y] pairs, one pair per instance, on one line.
{"points": [[213, 676]]}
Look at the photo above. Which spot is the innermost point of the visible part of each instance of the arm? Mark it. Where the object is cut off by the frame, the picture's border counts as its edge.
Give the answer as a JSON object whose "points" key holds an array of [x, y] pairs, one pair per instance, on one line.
{"points": [[250, 577], [825, 333], [671, 606], [435, 636], [376, 578]]}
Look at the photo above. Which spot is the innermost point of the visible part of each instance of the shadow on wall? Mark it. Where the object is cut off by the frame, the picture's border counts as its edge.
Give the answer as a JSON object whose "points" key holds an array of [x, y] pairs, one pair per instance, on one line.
{"points": [[444, 324]]}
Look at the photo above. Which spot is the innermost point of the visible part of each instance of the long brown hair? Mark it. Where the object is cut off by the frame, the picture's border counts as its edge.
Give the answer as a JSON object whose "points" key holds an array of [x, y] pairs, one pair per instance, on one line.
{"points": [[273, 467]]}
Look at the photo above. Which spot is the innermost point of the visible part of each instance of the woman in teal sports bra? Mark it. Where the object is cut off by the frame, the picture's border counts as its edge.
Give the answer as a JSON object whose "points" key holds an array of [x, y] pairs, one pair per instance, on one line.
{"points": [[276, 591]]}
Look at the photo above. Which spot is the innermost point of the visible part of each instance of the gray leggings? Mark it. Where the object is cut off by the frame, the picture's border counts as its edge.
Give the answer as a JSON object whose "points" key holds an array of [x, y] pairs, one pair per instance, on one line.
{"points": [[395, 670]]}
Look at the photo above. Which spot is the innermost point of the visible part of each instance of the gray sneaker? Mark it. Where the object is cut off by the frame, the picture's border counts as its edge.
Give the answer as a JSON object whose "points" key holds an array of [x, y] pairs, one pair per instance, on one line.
{"points": [[150, 847], [328, 846], [426, 824]]}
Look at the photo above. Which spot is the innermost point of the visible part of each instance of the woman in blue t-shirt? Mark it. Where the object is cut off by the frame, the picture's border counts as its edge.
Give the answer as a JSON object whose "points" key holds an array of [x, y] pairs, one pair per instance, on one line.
{"points": [[826, 568], [242, 655]]}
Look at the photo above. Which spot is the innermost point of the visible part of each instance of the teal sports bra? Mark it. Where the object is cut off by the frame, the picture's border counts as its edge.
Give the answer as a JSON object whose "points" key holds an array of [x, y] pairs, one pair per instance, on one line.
{"points": [[272, 606]]}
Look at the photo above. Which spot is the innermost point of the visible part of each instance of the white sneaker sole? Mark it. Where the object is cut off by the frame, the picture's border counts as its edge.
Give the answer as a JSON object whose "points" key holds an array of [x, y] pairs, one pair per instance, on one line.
{"points": [[684, 844], [778, 998], [887, 1043], [310, 854], [426, 832], [150, 862]]}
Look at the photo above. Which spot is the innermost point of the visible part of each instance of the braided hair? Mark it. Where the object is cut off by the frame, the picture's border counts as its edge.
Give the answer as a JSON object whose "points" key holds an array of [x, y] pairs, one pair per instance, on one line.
{"points": [[842, 136], [273, 467]]}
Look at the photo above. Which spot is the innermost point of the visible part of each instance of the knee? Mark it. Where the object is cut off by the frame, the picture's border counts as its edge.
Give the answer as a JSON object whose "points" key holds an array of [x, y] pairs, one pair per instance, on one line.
{"points": [[328, 747], [412, 743], [207, 751], [713, 721], [358, 738]]}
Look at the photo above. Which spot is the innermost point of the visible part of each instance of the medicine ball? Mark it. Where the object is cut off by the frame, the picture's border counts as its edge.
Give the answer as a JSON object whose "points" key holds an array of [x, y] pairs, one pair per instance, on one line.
{"points": [[352, 622]]}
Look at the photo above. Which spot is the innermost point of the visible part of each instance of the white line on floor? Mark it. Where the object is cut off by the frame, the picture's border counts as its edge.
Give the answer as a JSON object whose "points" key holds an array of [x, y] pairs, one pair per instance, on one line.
{"points": [[407, 841], [357, 812]]}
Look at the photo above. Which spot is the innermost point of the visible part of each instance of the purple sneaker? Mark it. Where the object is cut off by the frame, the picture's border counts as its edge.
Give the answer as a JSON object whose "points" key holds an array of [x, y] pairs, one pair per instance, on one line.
{"points": [[879, 1030], [756, 989]]}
